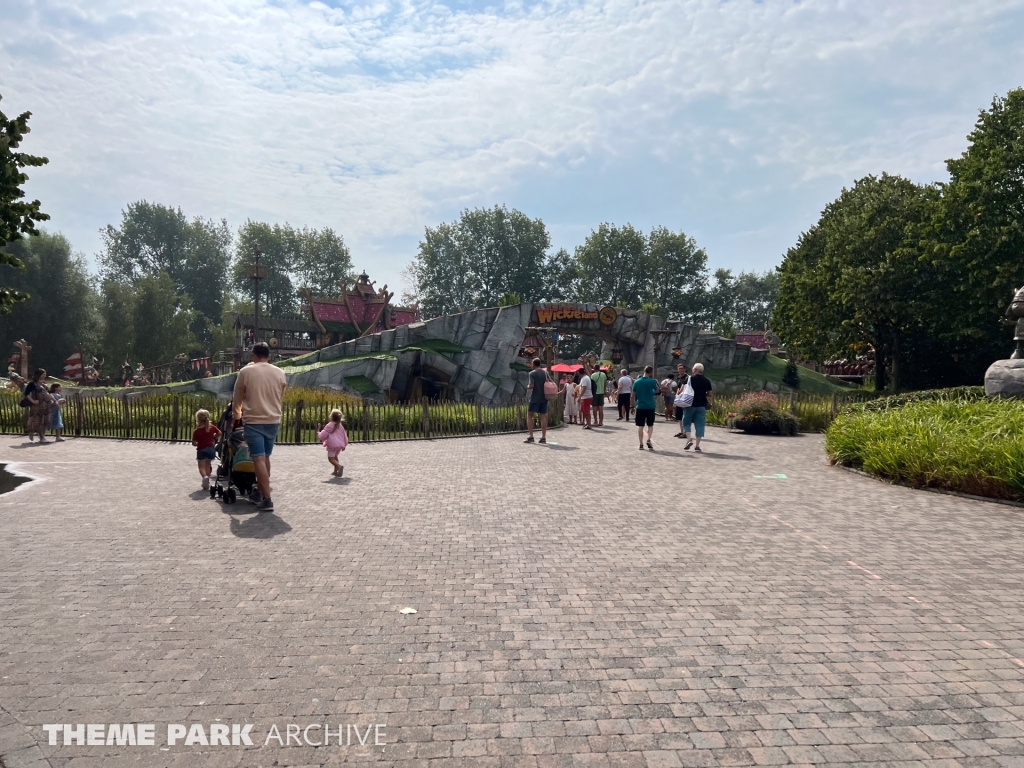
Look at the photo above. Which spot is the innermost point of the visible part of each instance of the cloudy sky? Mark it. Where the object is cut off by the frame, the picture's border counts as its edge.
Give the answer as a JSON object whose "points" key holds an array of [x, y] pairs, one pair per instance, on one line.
{"points": [[735, 121]]}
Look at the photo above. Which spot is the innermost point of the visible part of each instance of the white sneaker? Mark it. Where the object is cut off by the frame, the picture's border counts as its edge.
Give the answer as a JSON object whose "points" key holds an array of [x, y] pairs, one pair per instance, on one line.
{"points": [[206, 483]]}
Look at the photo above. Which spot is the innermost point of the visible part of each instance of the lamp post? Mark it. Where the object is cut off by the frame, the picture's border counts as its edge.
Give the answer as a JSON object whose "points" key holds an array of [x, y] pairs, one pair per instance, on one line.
{"points": [[256, 273]]}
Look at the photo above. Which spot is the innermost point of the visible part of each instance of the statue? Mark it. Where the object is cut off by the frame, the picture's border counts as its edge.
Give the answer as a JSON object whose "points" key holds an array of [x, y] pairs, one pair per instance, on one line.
{"points": [[1016, 314], [1005, 378]]}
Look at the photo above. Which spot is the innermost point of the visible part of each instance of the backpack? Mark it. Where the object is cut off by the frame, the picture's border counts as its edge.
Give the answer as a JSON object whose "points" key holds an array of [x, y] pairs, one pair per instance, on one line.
{"points": [[685, 397]]}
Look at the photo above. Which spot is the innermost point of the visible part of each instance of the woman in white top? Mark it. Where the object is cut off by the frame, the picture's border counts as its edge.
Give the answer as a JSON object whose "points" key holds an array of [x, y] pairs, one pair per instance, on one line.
{"points": [[625, 392]]}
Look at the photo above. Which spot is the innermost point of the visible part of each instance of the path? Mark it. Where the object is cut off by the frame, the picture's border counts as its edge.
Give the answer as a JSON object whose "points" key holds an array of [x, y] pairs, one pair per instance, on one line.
{"points": [[584, 604]]}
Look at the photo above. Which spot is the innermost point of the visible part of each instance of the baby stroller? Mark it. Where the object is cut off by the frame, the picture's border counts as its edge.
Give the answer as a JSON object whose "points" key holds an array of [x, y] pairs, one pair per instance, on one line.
{"points": [[236, 473]]}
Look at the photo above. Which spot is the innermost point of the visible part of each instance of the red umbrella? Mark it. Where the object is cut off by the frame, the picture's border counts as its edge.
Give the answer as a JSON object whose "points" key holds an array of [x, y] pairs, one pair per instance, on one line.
{"points": [[565, 368]]}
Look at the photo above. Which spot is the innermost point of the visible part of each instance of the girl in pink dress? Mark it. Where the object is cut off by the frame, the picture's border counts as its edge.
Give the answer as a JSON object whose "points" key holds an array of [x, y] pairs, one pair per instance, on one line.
{"points": [[335, 440]]}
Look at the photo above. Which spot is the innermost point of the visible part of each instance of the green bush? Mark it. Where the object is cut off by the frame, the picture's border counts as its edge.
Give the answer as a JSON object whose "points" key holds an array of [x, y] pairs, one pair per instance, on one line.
{"points": [[759, 413], [791, 376], [950, 439]]}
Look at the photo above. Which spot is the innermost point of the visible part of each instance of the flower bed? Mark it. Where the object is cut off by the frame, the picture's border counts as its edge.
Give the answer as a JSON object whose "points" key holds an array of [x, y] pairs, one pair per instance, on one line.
{"points": [[758, 413]]}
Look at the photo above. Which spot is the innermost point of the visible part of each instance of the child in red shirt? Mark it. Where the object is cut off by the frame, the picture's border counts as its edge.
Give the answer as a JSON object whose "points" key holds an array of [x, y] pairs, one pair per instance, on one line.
{"points": [[204, 439]]}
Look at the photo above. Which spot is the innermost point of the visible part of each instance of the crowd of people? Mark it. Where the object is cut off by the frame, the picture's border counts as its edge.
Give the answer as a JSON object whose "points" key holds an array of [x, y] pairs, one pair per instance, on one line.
{"points": [[686, 398]]}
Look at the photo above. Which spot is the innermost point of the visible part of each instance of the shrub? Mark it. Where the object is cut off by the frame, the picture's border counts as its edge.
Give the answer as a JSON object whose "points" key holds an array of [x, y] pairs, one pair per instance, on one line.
{"points": [[949, 439], [759, 413], [791, 376]]}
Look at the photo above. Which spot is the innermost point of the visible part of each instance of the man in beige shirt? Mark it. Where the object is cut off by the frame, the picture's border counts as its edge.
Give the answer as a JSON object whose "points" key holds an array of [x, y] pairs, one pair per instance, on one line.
{"points": [[259, 392]]}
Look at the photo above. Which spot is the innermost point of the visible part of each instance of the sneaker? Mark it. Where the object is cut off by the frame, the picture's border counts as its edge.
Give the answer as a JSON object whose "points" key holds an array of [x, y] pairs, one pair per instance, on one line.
{"points": [[206, 483], [529, 439], [60, 439], [43, 440], [265, 505], [641, 446], [255, 496], [543, 441], [697, 450], [688, 446], [649, 446]]}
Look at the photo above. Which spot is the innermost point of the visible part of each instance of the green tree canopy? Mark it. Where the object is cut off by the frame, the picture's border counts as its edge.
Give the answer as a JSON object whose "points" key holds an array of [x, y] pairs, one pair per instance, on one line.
{"points": [[856, 278], [975, 238], [61, 311], [18, 217], [317, 259], [146, 322], [485, 255], [193, 253]]}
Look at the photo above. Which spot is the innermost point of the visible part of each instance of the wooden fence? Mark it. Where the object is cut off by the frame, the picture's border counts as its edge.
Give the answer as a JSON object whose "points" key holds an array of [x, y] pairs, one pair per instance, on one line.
{"points": [[171, 417]]}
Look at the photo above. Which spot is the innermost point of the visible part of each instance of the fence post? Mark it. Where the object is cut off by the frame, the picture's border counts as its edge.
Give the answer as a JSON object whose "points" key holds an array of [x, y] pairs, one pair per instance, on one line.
{"points": [[78, 414], [835, 404], [127, 418], [366, 421], [175, 415], [479, 417], [426, 418], [299, 406]]}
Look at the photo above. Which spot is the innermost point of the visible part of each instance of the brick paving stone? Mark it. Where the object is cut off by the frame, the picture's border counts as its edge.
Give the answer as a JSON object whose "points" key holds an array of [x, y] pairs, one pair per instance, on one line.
{"points": [[703, 617]]}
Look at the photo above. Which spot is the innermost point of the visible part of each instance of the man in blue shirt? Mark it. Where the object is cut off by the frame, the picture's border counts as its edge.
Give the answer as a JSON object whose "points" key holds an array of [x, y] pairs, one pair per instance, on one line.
{"points": [[644, 390]]}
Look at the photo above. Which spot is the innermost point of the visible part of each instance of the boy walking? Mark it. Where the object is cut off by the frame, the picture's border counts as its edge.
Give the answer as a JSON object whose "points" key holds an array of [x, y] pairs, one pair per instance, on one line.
{"points": [[644, 389]]}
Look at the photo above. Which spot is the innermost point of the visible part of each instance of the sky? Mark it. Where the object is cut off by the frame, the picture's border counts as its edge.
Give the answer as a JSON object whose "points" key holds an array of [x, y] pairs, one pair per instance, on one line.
{"points": [[734, 121]]}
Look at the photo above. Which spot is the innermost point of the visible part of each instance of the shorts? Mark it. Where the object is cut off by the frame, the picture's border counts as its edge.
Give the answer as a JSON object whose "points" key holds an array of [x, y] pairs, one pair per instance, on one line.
{"points": [[585, 406], [260, 439], [669, 399], [679, 412], [645, 417], [540, 407], [206, 454], [333, 454], [599, 401], [696, 417]]}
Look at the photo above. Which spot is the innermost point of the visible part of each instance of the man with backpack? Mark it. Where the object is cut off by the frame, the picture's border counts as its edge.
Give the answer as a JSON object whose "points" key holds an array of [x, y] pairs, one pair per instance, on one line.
{"points": [[538, 401]]}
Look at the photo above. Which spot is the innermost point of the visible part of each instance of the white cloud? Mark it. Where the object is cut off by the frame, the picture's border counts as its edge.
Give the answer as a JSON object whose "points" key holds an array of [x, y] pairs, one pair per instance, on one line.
{"points": [[381, 117]]}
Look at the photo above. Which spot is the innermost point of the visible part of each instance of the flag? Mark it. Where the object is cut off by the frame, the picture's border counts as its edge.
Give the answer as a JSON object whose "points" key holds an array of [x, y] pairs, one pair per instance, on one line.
{"points": [[73, 366]]}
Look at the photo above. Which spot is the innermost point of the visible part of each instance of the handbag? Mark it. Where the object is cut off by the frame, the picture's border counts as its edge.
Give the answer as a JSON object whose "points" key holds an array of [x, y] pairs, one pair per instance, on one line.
{"points": [[550, 390], [685, 397], [25, 403]]}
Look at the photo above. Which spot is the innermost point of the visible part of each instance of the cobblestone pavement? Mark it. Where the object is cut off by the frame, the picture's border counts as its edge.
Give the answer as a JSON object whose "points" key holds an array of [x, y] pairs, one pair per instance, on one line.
{"points": [[579, 604]]}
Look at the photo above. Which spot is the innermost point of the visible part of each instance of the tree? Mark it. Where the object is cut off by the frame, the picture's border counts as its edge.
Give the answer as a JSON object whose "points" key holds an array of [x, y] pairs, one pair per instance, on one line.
{"points": [[613, 267], [194, 253], [860, 281], [475, 261], [17, 217], [320, 260], [975, 238], [60, 313], [678, 273], [294, 258], [147, 322]]}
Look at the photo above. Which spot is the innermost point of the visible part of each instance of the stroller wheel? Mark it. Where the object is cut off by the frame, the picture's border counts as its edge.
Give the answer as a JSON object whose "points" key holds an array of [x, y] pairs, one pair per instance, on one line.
{"points": [[220, 492], [213, 492], [229, 496]]}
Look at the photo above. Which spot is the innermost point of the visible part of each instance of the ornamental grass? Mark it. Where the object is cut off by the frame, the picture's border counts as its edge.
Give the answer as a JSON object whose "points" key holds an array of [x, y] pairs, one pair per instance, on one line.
{"points": [[954, 441]]}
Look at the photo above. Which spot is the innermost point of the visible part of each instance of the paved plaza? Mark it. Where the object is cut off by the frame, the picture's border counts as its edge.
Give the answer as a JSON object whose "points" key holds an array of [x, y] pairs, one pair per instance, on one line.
{"points": [[578, 604]]}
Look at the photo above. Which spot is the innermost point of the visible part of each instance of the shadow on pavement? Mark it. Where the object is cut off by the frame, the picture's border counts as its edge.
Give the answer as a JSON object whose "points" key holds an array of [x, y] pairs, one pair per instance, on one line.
{"points": [[337, 481], [200, 494], [265, 526]]}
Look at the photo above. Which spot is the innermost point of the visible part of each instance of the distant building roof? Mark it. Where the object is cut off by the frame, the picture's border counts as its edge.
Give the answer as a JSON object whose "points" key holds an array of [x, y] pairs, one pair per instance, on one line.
{"points": [[277, 324]]}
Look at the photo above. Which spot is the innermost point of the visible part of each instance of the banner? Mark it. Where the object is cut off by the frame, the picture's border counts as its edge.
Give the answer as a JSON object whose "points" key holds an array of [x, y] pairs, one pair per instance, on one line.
{"points": [[73, 366]]}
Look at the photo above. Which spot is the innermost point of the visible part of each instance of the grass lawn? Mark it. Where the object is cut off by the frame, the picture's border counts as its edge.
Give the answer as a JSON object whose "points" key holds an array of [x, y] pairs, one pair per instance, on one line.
{"points": [[771, 369]]}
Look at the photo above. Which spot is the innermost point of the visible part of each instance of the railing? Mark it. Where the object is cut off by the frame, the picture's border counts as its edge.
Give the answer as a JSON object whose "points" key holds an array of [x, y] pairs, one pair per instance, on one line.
{"points": [[171, 417]]}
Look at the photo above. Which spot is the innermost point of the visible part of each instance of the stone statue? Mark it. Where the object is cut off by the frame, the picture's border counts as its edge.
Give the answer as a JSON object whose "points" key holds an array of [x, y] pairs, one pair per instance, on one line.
{"points": [[1016, 314], [1005, 378]]}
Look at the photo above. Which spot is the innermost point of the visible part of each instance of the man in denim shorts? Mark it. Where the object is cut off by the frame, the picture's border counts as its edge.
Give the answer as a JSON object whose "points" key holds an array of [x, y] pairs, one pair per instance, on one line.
{"points": [[259, 393]]}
